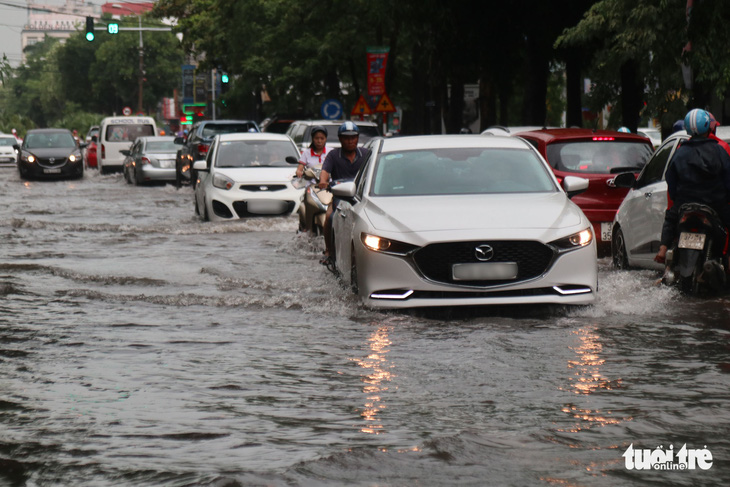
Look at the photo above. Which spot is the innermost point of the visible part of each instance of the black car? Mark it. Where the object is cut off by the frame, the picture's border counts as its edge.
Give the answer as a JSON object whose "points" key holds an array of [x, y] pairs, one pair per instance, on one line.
{"points": [[195, 145], [50, 154]]}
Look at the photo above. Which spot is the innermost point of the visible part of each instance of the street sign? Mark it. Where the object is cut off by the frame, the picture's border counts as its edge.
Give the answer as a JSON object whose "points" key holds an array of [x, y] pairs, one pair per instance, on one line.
{"points": [[385, 105], [361, 107], [331, 109], [126, 111]]}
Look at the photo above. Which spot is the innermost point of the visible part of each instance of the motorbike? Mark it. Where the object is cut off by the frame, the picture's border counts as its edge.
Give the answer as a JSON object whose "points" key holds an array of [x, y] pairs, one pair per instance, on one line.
{"points": [[696, 262], [313, 210]]}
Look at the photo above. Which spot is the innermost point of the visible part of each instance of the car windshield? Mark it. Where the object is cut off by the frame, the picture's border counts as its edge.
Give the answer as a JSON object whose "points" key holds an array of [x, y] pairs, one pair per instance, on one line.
{"points": [[210, 130], [162, 146], [367, 132], [8, 141], [50, 141], [128, 132], [255, 153], [460, 171], [598, 156]]}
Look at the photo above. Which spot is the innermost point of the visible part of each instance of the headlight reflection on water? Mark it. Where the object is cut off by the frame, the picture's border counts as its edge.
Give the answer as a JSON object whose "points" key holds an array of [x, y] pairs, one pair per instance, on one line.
{"points": [[376, 380]]}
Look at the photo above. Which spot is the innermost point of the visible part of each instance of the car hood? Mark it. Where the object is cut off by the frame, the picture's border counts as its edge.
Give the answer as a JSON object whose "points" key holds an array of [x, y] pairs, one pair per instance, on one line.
{"points": [[523, 213], [264, 174], [52, 152]]}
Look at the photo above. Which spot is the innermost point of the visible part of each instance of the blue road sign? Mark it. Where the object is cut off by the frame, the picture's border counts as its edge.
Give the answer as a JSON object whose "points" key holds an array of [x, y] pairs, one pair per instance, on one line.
{"points": [[331, 109]]}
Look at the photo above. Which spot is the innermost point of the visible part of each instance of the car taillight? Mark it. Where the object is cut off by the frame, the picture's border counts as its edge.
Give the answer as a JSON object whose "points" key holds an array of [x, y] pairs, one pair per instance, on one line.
{"points": [[103, 151], [144, 160], [603, 138], [202, 149]]}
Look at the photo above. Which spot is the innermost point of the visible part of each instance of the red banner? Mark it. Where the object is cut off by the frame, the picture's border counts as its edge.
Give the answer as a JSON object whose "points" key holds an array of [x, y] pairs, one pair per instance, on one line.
{"points": [[377, 58]]}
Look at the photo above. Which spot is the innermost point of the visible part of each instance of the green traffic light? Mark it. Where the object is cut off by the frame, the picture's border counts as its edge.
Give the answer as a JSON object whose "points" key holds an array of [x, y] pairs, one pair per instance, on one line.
{"points": [[224, 78], [89, 36]]}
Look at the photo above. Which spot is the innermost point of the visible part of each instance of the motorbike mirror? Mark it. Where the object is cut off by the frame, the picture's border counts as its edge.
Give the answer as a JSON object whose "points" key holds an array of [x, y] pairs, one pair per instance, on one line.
{"points": [[574, 186], [292, 160]]}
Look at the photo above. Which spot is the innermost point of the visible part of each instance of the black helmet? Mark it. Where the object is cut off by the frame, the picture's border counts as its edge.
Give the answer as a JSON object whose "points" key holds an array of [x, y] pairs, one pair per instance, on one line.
{"points": [[319, 128], [348, 128]]}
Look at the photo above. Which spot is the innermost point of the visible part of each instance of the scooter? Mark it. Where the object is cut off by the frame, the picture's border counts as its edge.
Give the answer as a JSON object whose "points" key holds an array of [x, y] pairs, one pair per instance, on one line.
{"points": [[696, 262], [313, 210]]}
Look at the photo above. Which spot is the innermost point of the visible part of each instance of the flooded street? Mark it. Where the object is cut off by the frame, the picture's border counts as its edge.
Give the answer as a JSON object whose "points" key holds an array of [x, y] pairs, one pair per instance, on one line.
{"points": [[142, 346]]}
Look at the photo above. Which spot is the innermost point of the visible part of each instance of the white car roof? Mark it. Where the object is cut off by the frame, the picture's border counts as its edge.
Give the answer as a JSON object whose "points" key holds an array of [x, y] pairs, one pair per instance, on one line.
{"points": [[452, 141], [253, 136]]}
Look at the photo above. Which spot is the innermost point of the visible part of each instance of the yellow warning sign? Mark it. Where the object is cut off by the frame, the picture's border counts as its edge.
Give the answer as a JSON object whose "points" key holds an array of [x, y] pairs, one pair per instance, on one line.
{"points": [[385, 105], [361, 107]]}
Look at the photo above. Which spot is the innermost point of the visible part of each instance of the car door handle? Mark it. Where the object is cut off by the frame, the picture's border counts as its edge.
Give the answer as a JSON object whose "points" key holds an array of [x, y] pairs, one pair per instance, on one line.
{"points": [[648, 195]]}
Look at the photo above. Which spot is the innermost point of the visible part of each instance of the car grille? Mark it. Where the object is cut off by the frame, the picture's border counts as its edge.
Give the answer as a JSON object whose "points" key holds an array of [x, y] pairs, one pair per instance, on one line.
{"points": [[51, 161], [263, 187], [435, 261]]}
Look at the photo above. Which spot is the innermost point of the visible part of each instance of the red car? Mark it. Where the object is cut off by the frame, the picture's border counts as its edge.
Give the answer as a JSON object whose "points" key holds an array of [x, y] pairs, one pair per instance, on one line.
{"points": [[596, 155]]}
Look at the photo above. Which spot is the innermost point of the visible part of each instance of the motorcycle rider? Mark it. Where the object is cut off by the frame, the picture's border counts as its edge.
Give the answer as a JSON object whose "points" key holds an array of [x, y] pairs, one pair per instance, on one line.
{"points": [[342, 163], [317, 152], [699, 173]]}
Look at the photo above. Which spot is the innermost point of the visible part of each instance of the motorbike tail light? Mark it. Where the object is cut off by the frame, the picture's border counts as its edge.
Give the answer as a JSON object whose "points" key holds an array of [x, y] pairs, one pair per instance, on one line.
{"points": [[202, 148]]}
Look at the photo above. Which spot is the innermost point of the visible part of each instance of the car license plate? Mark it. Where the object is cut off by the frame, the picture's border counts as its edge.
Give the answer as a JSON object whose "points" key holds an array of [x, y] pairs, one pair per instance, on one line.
{"points": [[694, 241], [167, 164], [486, 270], [51, 171], [606, 228]]}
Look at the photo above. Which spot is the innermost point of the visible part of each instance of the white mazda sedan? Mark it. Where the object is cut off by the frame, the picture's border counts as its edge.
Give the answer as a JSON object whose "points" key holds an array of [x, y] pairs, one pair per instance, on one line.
{"points": [[462, 220], [247, 174]]}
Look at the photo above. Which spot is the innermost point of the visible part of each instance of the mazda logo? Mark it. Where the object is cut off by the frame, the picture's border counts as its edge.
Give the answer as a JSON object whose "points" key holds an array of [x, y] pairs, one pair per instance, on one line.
{"points": [[484, 252], [52, 160]]}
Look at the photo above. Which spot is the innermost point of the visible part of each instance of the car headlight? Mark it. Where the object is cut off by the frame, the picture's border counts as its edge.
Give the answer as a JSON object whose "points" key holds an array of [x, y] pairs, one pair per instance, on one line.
{"points": [[386, 245], [28, 158], [575, 241], [74, 157], [222, 182]]}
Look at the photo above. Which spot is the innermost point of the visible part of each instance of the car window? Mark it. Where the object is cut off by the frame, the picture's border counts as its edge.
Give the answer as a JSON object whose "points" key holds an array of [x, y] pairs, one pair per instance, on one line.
{"points": [[598, 157], [460, 171], [360, 178], [8, 141], [50, 141], [213, 129], [128, 132], [255, 153], [299, 133], [654, 170], [162, 146]]}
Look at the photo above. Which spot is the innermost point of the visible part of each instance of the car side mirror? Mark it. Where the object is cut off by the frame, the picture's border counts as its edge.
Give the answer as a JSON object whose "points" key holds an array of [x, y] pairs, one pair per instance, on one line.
{"points": [[125, 152], [83, 145], [291, 160], [345, 191], [179, 140], [16, 147], [201, 165], [624, 180], [574, 185]]}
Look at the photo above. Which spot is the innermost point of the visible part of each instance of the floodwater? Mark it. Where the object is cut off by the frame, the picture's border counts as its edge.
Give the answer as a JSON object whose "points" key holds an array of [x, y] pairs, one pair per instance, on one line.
{"points": [[141, 346]]}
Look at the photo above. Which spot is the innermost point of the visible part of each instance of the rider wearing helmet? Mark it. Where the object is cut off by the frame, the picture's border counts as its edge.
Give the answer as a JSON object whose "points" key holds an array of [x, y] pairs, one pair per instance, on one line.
{"points": [[342, 163], [317, 152], [699, 173], [624, 130]]}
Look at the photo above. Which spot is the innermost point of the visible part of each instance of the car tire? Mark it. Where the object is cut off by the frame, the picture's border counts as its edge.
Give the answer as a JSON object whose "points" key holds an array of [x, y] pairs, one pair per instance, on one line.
{"points": [[206, 217], [134, 178], [619, 255], [195, 204]]}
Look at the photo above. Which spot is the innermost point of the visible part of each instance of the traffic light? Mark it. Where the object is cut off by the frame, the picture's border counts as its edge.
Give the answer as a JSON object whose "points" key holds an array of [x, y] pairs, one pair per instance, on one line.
{"points": [[89, 29], [224, 78]]}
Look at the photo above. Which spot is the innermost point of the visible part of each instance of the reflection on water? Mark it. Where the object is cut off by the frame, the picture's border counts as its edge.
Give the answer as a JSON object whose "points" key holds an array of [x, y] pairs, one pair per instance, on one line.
{"points": [[376, 380], [587, 378]]}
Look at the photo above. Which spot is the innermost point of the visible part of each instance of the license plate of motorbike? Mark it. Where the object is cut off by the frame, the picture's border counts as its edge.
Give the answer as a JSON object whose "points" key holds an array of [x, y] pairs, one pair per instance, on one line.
{"points": [[694, 241], [484, 271]]}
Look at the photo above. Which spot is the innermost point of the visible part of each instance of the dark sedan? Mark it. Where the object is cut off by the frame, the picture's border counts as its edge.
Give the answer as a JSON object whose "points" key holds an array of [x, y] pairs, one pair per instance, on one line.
{"points": [[50, 154]]}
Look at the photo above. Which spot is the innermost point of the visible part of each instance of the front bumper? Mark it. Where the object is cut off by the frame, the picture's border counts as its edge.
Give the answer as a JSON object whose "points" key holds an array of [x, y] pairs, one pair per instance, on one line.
{"points": [[387, 281], [241, 203], [35, 170]]}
